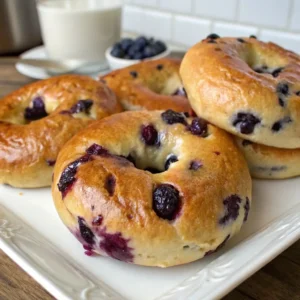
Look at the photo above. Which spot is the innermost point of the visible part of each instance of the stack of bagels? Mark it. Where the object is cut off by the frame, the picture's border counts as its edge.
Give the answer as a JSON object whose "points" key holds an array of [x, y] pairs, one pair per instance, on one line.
{"points": [[149, 164]]}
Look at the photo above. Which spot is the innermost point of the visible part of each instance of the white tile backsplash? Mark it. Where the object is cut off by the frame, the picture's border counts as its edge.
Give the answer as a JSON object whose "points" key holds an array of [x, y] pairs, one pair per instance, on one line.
{"points": [[188, 31], [132, 19], [272, 13], [185, 22], [287, 40], [295, 17], [180, 6], [157, 24], [223, 9], [232, 29]]}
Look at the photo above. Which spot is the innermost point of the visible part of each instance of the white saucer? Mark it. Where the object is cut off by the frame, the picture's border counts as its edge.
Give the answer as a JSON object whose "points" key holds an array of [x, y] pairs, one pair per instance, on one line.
{"points": [[40, 73]]}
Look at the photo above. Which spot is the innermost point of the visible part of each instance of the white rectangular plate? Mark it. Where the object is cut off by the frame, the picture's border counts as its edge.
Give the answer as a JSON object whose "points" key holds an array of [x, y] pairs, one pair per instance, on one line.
{"points": [[34, 237]]}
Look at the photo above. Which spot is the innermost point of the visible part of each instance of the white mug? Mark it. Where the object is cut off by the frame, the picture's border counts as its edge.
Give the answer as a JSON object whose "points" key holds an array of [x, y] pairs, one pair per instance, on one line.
{"points": [[79, 29]]}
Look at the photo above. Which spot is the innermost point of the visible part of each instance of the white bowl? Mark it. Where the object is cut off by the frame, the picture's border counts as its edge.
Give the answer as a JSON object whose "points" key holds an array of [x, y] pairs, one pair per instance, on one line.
{"points": [[118, 63]]}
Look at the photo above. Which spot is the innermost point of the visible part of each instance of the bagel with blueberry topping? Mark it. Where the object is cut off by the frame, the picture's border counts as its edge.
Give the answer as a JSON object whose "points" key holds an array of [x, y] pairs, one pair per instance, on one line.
{"points": [[154, 188], [39, 118]]}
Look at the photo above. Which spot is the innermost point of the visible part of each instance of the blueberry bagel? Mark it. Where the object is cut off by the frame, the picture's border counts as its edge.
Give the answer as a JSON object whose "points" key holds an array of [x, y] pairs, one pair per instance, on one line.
{"points": [[270, 162], [152, 188], [247, 87], [38, 119], [150, 85]]}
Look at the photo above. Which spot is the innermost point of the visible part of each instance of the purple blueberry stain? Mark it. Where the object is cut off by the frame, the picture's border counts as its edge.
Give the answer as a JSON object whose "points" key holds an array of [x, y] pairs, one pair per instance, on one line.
{"points": [[67, 178], [246, 208], [195, 165], [245, 122], [170, 160], [159, 67], [97, 221], [219, 247], [88, 250], [232, 207], [85, 231], [110, 184], [198, 127], [166, 201], [37, 111], [149, 135], [217, 153], [116, 246], [81, 106], [172, 117]]}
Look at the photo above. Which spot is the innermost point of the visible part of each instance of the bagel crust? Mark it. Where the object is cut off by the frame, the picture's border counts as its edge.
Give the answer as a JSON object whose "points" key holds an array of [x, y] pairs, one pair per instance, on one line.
{"points": [[149, 85], [38, 119], [247, 87], [269, 162], [152, 188]]}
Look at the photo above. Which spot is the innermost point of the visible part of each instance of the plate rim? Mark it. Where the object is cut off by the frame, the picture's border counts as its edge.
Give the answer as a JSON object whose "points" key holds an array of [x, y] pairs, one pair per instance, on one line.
{"points": [[285, 228]]}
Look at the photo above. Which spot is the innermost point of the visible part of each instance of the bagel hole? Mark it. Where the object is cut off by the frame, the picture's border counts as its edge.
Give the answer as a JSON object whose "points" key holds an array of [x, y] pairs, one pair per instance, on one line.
{"points": [[152, 163], [172, 86], [263, 62]]}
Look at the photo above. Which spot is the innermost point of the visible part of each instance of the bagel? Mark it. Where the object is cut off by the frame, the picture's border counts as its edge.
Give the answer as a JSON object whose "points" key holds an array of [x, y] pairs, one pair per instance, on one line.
{"points": [[247, 87], [38, 119], [269, 162], [152, 188], [149, 85]]}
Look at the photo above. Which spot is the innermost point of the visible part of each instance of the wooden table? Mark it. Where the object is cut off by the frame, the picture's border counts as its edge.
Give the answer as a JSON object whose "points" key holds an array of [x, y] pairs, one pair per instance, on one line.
{"points": [[280, 279]]}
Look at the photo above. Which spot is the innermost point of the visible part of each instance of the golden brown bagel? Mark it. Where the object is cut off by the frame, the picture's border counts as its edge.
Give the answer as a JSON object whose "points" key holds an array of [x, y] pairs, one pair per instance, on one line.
{"points": [[149, 85], [152, 188], [38, 119], [247, 87], [270, 162]]}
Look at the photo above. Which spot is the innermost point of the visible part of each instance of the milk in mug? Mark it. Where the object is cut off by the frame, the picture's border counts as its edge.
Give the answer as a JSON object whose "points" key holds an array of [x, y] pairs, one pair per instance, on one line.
{"points": [[79, 29]]}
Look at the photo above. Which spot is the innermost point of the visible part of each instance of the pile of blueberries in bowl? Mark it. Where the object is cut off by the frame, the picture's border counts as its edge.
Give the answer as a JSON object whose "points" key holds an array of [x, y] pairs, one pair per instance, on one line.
{"points": [[129, 51]]}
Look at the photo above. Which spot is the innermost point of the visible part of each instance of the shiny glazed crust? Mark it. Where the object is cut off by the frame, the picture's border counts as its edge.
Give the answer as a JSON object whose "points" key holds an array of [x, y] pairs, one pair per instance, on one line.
{"points": [[28, 150], [222, 86], [269, 162], [148, 85], [129, 225]]}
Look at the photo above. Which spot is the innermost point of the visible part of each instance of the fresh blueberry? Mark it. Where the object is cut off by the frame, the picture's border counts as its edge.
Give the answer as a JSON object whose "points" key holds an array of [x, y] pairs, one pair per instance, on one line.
{"points": [[126, 43], [141, 41], [148, 52], [117, 52], [159, 47], [166, 201], [138, 55]]}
